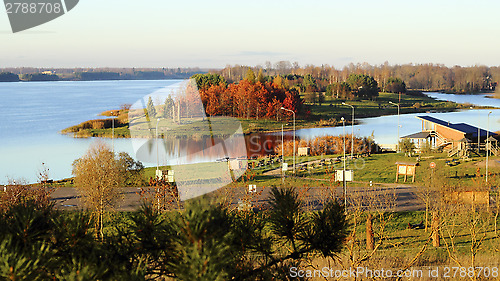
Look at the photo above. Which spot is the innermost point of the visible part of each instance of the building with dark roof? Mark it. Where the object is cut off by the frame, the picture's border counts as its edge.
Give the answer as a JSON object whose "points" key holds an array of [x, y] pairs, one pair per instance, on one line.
{"points": [[452, 137]]}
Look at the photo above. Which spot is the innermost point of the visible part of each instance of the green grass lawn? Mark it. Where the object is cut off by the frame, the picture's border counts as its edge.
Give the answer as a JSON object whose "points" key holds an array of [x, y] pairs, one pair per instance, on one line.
{"points": [[381, 168]]}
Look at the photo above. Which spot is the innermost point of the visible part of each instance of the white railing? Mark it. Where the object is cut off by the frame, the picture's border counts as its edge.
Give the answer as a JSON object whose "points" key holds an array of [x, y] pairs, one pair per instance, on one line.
{"points": [[440, 140], [453, 151], [494, 150]]}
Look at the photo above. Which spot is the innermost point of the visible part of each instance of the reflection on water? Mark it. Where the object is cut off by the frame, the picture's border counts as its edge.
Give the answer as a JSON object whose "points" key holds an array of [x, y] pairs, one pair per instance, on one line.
{"points": [[259, 144], [178, 151]]}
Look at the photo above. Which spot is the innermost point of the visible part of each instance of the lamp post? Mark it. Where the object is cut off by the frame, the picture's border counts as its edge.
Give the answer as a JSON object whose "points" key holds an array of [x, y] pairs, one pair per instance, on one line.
{"points": [[113, 135], [293, 136], [397, 143], [343, 172], [478, 129], [352, 129], [157, 166], [157, 153], [282, 156], [488, 145]]}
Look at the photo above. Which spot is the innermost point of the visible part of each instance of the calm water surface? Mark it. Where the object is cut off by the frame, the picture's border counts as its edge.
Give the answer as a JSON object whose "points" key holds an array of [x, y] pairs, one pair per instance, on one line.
{"points": [[33, 113], [480, 99]]}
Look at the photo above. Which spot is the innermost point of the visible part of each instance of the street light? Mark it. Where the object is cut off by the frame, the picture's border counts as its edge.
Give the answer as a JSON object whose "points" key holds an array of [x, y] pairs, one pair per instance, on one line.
{"points": [[293, 136], [113, 135], [282, 156], [157, 153], [478, 129], [343, 172], [397, 143], [488, 145], [352, 129]]}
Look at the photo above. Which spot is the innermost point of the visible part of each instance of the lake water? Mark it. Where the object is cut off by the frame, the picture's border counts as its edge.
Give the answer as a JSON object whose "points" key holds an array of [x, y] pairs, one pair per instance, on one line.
{"points": [[480, 99], [33, 113]]}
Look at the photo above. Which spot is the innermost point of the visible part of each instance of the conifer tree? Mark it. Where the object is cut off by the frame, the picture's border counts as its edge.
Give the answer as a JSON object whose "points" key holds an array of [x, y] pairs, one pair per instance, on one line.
{"points": [[260, 77], [250, 76], [168, 107], [151, 108]]}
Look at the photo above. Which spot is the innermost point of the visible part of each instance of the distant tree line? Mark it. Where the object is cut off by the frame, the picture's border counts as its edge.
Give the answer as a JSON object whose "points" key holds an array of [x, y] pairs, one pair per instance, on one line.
{"points": [[8, 77], [423, 77], [135, 75], [12, 77], [309, 78], [97, 76], [53, 74], [39, 77]]}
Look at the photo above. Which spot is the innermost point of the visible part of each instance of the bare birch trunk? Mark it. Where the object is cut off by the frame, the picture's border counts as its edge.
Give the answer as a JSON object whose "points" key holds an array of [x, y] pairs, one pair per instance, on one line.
{"points": [[435, 230]]}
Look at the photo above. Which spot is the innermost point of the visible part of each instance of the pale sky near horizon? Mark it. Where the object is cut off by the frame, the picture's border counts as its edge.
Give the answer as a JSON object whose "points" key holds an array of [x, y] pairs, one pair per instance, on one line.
{"points": [[155, 33]]}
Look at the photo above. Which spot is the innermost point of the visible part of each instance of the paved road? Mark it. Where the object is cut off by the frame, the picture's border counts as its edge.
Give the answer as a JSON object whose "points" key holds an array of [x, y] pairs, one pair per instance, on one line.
{"points": [[401, 197], [67, 198]]}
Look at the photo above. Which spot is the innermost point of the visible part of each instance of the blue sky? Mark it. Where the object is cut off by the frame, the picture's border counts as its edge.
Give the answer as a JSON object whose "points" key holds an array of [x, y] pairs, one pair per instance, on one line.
{"points": [[158, 33]]}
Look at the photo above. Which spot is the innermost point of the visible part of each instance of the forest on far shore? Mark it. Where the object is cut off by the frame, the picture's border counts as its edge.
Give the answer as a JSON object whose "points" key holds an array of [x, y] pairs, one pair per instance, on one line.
{"points": [[420, 77], [93, 74]]}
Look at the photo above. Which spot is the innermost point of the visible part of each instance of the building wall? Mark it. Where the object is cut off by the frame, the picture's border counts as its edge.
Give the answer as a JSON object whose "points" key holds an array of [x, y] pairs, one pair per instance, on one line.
{"points": [[449, 133]]}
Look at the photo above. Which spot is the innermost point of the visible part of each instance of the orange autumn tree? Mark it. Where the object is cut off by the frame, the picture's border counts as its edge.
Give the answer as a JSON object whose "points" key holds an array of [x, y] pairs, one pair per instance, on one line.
{"points": [[249, 100]]}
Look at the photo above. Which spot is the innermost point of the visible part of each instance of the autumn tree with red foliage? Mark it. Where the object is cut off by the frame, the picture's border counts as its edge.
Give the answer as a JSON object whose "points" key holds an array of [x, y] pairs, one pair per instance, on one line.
{"points": [[250, 100]]}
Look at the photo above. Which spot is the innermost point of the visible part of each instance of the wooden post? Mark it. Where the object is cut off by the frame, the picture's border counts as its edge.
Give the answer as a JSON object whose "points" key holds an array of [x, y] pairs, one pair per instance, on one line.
{"points": [[397, 172], [370, 243]]}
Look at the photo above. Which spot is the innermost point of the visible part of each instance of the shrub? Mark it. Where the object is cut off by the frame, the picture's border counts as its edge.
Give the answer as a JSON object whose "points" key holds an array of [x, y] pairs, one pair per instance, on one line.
{"points": [[406, 146], [97, 124], [20, 192], [330, 145]]}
